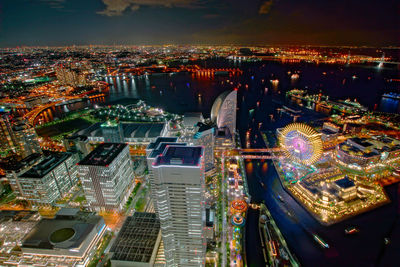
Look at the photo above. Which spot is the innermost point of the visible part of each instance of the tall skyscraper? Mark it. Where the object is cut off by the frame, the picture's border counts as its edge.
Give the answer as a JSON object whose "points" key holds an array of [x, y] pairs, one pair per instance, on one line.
{"points": [[153, 150], [107, 176], [179, 178], [17, 137], [223, 111], [26, 139], [72, 77], [6, 141], [199, 132], [205, 137]]}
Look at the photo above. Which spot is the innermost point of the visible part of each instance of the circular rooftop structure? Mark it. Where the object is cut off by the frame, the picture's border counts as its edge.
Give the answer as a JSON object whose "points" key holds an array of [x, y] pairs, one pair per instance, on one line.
{"points": [[239, 206], [237, 220], [61, 235], [301, 143]]}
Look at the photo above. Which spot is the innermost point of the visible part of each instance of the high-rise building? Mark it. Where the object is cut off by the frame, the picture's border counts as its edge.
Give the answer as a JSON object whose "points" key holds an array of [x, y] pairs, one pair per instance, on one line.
{"points": [[6, 133], [197, 132], [223, 111], [153, 150], [48, 180], [72, 77], [17, 137], [179, 178], [205, 137], [107, 176], [26, 139]]}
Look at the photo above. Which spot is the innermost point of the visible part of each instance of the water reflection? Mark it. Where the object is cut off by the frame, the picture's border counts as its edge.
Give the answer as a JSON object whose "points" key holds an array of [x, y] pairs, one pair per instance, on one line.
{"points": [[389, 105]]}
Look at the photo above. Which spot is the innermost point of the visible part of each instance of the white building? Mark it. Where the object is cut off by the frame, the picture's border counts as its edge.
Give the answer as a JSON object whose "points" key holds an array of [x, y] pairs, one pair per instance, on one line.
{"points": [[153, 150], [107, 176], [223, 111], [48, 180], [179, 178]]}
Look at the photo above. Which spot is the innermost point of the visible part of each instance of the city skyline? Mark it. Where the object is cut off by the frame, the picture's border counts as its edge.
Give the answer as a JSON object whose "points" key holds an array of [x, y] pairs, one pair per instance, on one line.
{"points": [[203, 133], [137, 22]]}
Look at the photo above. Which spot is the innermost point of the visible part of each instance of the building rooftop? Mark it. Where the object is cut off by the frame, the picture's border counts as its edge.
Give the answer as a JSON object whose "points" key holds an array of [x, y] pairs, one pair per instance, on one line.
{"points": [[81, 224], [103, 154], [210, 217], [344, 182], [190, 119], [46, 165], [361, 141], [129, 130], [67, 212], [204, 127], [180, 155], [12, 164], [328, 131], [137, 238], [159, 150], [161, 140], [18, 215]]}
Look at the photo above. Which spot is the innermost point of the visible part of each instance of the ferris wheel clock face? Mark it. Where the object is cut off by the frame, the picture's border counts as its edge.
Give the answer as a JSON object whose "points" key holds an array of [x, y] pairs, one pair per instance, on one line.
{"points": [[301, 143]]}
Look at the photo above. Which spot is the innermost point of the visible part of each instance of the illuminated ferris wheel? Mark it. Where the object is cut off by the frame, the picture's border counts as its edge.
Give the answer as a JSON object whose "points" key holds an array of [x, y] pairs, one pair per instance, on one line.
{"points": [[300, 143]]}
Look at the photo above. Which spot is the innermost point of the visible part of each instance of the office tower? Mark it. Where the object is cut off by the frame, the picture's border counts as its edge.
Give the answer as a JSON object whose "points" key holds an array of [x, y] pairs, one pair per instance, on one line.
{"points": [[107, 176], [6, 141], [25, 138], [17, 137], [153, 150], [48, 180], [179, 178], [223, 111], [197, 132], [72, 77], [205, 137]]}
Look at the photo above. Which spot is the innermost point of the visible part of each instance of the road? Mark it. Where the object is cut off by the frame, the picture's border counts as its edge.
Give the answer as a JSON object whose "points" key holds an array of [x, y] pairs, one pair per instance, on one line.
{"points": [[223, 192], [130, 209]]}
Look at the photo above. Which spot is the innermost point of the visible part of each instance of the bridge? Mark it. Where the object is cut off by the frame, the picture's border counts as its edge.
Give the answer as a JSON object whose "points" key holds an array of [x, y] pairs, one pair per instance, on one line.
{"points": [[253, 153], [32, 115]]}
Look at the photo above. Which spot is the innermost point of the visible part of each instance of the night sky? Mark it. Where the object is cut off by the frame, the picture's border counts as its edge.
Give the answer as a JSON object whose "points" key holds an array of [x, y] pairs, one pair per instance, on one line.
{"points": [[244, 22]]}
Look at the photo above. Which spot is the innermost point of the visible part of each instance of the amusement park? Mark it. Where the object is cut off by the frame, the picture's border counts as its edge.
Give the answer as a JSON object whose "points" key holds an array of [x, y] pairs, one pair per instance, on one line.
{"points": [[308, 172]]}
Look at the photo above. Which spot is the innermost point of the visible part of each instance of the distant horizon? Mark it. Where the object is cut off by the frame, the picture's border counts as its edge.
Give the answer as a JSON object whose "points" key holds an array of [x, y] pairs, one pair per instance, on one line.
{"points": [[258, 22], [188, 44]]}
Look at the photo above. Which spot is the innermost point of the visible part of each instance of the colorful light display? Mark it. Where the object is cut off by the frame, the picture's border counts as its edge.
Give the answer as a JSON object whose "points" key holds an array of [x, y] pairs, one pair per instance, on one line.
{"points": [[300, 143]]}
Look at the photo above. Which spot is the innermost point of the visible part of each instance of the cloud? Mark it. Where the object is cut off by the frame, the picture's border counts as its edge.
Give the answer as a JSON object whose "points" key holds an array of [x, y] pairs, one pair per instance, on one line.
{"points": [[265, 7], [58, 4], [117, 7], [211, 16]]}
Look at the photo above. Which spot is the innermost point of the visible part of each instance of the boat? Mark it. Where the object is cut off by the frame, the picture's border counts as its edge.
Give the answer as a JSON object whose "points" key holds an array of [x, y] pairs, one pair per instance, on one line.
{"points": [[281, 198], [263, 185], [320, 241], [351, 230], [392, 96]]}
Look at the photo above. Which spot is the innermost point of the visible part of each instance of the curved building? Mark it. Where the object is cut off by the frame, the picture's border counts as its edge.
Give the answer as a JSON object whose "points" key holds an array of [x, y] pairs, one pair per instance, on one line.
{"points": [[223, 111]]}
